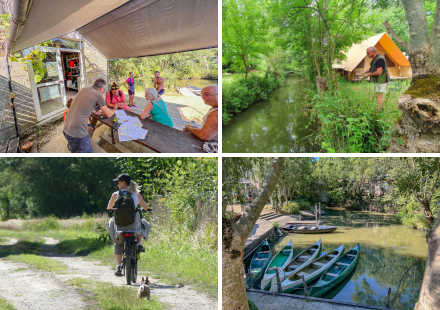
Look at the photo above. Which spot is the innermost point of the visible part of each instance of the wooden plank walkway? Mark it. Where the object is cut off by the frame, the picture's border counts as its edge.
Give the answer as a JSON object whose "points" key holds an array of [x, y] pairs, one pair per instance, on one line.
{"points": [[265, 300]]}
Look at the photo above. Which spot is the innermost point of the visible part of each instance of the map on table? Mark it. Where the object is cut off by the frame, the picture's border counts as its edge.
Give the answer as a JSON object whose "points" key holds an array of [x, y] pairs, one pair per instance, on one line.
{"points": [[127, 132]]}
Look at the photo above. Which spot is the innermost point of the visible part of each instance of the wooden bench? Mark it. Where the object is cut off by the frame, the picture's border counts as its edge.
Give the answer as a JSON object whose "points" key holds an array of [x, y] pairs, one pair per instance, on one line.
{"points": [[331, 274], [343, 264], [318, 264], [351, 255], [162, 138]]}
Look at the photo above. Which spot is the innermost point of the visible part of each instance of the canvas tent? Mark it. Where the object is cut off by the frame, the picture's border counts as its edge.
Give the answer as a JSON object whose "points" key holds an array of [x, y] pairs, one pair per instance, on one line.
{"points": [[357, 60]]}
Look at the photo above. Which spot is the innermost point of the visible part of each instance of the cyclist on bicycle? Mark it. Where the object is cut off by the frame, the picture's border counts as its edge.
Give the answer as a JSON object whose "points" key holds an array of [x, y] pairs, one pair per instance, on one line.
{"points": [[142, 227]]}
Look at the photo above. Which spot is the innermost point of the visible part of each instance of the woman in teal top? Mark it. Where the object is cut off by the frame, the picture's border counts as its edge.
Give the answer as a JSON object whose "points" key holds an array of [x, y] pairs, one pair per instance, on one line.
{"points": [[156, 108]]}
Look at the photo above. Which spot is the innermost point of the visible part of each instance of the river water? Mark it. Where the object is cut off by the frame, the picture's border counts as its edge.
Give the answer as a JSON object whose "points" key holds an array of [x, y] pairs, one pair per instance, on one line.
{"points": [[276, 125], [391, 256]]}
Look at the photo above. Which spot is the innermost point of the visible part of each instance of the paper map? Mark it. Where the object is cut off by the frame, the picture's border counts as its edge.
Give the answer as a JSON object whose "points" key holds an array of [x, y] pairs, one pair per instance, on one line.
{"points": [[131, 128]]}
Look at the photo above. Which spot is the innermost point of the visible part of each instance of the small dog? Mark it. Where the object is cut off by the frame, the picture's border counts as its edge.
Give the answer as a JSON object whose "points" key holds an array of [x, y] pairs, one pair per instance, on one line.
{"points": [[144, 289]]}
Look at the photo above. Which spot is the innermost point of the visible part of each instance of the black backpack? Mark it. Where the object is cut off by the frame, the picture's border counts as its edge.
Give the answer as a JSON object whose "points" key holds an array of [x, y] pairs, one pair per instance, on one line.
{"points": [[125, 210]]}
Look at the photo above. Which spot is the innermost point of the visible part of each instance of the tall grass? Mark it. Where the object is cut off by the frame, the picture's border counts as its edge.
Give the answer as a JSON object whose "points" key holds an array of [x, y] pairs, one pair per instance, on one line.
{"points": [[349, 118]]}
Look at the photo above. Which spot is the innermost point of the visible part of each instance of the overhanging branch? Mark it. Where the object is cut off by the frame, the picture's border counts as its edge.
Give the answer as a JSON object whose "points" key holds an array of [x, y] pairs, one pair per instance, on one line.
{"points": [[395, 36]]}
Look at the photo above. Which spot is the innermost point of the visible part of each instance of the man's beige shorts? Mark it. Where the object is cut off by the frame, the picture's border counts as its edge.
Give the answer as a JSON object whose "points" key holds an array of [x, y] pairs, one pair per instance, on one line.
{"points": [[380, 88]]}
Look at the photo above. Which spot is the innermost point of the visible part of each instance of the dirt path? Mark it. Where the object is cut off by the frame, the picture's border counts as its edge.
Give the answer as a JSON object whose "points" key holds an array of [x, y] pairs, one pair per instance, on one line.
{"points": [[177, 297]]}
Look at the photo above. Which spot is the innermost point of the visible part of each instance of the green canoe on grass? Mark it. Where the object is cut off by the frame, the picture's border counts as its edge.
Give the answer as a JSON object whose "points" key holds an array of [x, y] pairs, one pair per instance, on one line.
{"points": [[336, 273], [260, 260]]}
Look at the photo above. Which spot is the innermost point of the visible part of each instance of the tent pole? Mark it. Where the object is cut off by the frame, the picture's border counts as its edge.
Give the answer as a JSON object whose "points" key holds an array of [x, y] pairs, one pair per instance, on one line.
{"points": [[10, 91]]}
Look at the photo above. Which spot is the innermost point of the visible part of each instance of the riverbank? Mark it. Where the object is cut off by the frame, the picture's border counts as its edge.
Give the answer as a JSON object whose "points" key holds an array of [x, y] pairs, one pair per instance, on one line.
{"points": [[391, 256], [239, 93]]}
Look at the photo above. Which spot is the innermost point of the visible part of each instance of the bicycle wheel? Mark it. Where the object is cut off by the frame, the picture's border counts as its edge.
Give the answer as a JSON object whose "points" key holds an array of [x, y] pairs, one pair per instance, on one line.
{"points": [[128, 269], [134, 270]]}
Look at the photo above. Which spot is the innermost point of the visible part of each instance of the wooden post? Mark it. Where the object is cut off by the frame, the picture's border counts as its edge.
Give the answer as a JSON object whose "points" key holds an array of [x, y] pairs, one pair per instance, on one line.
{"points": [[305, 286], [278, 281], [320, 215], [316, 214], [388, 299], [300, 217]]}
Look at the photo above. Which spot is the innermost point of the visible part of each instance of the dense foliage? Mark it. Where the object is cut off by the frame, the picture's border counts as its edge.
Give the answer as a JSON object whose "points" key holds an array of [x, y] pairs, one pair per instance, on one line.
{"points": [[194, 64], [244, 92], [407, 187], [68, 187]]}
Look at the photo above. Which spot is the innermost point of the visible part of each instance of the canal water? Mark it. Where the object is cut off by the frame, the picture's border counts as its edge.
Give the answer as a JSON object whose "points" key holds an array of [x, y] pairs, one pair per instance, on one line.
{"points": [[391, 256], [279, 124]]}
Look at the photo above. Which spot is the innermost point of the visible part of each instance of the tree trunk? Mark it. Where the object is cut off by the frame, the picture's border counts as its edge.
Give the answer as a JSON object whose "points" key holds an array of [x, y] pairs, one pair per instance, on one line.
{"points": [[234, 235], [419, 128], [429, 298]]}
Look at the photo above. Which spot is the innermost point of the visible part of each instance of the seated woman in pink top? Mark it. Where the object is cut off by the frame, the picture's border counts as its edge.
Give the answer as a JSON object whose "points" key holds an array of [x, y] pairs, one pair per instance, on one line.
{"points": [[115, 99]]}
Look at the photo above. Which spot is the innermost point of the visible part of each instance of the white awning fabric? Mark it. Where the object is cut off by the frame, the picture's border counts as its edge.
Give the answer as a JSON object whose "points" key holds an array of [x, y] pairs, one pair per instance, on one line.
{"points": [[48, 19], [154, 27]]}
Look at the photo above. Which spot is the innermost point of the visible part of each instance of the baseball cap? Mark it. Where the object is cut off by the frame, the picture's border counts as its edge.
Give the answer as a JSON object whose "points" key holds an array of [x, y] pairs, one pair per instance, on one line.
{"points": [[123, 177]]}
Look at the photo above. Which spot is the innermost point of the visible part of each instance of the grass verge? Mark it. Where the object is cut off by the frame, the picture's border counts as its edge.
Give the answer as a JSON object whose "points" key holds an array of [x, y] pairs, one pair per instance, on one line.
{"points": [[116, 298], [39, 262], [4, 305]]}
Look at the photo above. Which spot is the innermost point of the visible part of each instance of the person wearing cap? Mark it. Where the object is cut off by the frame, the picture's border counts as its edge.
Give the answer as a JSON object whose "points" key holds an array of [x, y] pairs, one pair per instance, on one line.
{"points": [[126, 185], [115, 99]]}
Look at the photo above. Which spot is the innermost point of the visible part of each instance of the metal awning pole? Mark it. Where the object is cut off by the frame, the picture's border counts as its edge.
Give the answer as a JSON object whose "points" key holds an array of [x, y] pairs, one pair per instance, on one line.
{"points": [[10, 92]]}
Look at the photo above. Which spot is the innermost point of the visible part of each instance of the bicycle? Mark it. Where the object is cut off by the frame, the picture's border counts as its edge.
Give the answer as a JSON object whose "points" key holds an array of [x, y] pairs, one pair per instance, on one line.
{"points": [[130, 254]]}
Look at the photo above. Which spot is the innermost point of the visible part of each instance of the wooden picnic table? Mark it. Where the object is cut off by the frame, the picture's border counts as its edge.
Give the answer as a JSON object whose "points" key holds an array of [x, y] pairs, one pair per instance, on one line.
{"points": [[162, 138]]}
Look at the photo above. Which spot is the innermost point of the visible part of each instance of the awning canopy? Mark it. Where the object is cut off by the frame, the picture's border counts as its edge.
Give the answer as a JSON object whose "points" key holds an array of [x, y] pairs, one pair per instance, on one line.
{"points": [[48, 19], [358, 52], [154, 27], [121, 29]]}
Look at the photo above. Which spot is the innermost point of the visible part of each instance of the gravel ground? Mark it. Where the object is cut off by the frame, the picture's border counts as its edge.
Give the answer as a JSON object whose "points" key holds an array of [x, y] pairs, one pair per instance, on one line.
{"points": [[30, 289]]}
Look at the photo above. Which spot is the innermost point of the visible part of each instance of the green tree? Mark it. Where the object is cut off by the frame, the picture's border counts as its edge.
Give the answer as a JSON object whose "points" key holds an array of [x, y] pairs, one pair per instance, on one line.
{"points": [[244, 28]]}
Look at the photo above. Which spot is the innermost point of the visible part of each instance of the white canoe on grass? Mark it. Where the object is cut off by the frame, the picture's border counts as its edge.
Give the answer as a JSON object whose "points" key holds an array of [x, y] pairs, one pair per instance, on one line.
{"points": [[297, 263], [311, 271], [280, 260]]}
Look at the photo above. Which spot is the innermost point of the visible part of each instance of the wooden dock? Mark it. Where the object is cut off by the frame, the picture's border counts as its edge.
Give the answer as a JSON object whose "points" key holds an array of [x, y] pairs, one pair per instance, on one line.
{"points": [[264, 229]]}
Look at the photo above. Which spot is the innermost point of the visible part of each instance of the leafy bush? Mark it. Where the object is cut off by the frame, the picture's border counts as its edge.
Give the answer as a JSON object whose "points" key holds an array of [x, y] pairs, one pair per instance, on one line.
{"points": [[350, 120], [415, 220], [241, 94], [304, 205], [252, 305], [49, 223], [291, 207]]}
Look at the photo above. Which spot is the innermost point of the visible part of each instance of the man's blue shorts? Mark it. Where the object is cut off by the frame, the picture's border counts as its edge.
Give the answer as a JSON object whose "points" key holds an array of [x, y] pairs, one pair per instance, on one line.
{"points": [[79, 145], [162, 91]]}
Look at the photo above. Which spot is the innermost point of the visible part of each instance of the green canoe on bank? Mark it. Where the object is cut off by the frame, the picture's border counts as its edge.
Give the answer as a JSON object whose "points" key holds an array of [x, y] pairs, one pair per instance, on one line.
{"points": [[280, 260], [336, 273]]}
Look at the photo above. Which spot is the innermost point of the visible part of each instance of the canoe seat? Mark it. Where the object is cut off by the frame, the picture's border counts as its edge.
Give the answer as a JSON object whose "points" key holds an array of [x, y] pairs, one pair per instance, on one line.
{"points": [[264, 252], [331, 274], [304, 256], [257, 259], [331, 255], [314, 250], [302, 273], [319, 264], [286, 251], [343, 264], [350, 255], [293, 266]]}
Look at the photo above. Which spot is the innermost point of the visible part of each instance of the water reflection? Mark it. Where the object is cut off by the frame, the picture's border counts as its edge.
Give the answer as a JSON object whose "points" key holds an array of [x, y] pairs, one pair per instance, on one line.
{"points": [[276, 125], [391, 256]]}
